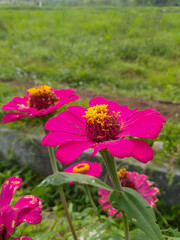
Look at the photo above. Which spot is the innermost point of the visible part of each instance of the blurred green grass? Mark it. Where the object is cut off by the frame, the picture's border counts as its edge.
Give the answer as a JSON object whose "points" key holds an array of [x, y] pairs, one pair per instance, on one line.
{"points": [[126, 51]]}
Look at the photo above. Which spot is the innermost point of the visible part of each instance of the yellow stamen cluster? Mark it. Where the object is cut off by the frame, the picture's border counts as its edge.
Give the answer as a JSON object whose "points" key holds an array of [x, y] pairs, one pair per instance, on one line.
{"points": [[122, 172], [96, 114], [81, 168], [40, 90]]}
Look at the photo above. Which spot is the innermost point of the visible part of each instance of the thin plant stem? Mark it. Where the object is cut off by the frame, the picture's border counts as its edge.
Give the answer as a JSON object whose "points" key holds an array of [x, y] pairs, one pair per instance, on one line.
{"points": [[110, 164], [126, 228], [86, 189], [61, 191]]}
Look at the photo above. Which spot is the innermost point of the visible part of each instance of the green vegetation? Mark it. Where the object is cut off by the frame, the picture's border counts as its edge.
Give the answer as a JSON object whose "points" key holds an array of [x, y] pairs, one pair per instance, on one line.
{"points": [[54, 222], [124, 51]]}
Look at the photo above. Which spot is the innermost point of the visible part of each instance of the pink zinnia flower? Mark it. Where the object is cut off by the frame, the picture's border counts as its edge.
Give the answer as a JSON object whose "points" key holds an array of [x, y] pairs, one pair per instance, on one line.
{"points": [[38, 101], [27, 209], [133, 180], [105, 124], [88, 168]]}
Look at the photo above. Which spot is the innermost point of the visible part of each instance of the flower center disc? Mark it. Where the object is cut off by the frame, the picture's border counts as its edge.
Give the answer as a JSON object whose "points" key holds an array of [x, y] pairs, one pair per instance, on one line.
{"points": [[124, 179], [81, 168], [41, 97], [101, 124]]}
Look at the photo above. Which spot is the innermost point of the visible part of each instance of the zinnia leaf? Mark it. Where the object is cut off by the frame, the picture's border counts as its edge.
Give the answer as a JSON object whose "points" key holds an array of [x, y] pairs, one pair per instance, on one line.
{"points": [[138, 210], [63, 177]]}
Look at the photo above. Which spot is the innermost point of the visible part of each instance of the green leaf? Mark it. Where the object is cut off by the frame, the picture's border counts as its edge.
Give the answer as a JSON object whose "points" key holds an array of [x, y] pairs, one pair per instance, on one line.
{"points": [[138, 234], [171, 234], [45, 236], [138, 210], [62, 178]]}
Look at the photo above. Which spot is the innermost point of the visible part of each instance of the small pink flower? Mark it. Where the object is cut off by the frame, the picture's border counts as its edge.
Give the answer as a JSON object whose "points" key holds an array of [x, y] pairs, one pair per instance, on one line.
{"points": [[27, 209], [104, 125], [38, 101], [133, 180], [88, 168]]}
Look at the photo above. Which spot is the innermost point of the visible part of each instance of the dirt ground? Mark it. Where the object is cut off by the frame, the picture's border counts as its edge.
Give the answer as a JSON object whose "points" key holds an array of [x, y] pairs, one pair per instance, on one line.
{"points": [[168, 109]]}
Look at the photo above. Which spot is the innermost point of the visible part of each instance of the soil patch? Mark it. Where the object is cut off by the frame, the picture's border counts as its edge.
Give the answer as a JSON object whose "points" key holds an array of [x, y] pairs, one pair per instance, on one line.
{"points": [[168, 109]]}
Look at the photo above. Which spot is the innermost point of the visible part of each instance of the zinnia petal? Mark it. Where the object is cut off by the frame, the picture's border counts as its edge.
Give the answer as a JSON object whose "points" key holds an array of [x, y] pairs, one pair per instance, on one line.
{"points": [[53, 139], [57, 124], [8, 189], [8, 217], [141, 151], [11, 117], [22, 238], [144, 124], [69, 151], [29, 209]]}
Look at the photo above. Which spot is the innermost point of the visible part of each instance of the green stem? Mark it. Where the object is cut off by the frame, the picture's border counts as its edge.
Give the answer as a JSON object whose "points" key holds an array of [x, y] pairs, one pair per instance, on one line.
{"points": [[126, 228], [111, 168], [53, 159], [67, 212], [86, 189], [64, 202]]}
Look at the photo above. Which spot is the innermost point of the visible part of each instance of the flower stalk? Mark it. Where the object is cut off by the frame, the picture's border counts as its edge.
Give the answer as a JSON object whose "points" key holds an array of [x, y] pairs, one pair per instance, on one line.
{"points": [[86, 190], [110, 164], [61, 191]]}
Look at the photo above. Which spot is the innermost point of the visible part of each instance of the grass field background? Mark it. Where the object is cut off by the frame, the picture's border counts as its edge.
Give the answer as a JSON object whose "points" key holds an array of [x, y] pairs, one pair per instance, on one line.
{"points": [[126, 51]]}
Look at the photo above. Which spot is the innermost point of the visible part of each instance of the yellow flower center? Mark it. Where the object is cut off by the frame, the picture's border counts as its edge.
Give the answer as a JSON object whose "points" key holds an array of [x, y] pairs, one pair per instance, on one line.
{"points": [[40, 90], [102, 124], [97, 114], [122, 173], [125, 180], [41, 97], [81, 168]]}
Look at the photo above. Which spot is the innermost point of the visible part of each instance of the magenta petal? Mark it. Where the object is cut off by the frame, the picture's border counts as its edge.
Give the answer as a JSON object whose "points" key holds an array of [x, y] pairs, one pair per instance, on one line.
{"points": [[53, 139], [14, 104], [144, 186], [151, 191], [140, 181], [103, 192], [69, 151], [8, 217], [145, 124], [11, 117], [8, 189], [106, 205], [120, 148], [29, 210], [78, 111], [141, 151], [97, 147], [22, 238], [57, 124], [66, 95], [71, 118], [112, 211]]}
